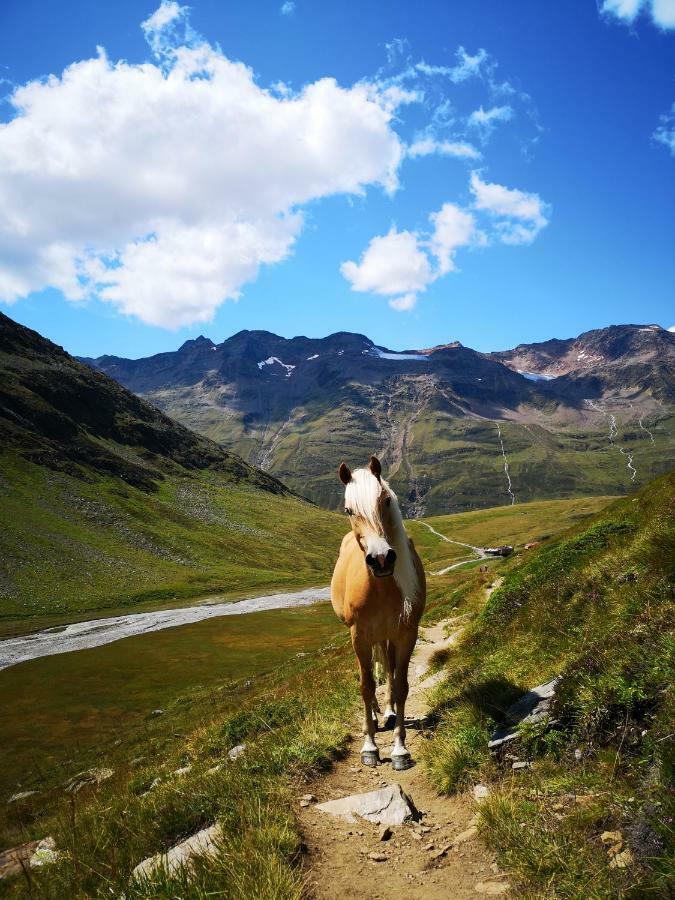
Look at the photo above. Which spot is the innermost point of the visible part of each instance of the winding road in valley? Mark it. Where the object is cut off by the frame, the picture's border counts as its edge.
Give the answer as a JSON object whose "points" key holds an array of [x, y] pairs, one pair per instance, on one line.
{"points": [[96, 632]]}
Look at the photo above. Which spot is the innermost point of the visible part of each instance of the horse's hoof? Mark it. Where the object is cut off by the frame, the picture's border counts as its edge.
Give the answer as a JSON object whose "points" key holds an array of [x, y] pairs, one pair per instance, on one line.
{"points": [[370, 757], [400, 763]]}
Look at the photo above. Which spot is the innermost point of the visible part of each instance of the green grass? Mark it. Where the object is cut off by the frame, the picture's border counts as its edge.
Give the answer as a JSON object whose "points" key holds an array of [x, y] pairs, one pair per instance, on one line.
{"points": [[515, 525], [594, 607], [72, 546], [69, 709], [220, 682], [293, 728]]}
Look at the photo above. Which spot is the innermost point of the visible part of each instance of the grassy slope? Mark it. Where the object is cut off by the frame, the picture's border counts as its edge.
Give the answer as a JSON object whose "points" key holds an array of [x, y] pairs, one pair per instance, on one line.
{"points": [[596, 608], [293, 719], [73, 546], [108, 504], [514, 525]]}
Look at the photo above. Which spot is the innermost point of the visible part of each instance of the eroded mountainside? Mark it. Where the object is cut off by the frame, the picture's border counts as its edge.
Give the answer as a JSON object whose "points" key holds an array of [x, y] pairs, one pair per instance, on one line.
{"points": [[456, 429]]}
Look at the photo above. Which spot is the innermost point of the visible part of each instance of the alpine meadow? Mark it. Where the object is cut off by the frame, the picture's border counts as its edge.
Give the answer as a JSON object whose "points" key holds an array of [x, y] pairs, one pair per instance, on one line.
{"points": [[337, 470]]}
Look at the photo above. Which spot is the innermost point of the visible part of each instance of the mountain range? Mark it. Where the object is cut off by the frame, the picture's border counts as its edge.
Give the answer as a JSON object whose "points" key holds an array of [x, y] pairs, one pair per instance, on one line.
{"points": [[455, 428]]}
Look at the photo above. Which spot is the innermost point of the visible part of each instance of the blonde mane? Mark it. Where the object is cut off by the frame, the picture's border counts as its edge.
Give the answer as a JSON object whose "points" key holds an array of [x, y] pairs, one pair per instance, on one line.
{"points": [[361, 497]]}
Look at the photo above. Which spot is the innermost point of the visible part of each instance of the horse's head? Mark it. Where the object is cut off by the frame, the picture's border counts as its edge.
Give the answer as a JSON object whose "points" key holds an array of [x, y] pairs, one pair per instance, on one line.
{"points": [[373, 513]]}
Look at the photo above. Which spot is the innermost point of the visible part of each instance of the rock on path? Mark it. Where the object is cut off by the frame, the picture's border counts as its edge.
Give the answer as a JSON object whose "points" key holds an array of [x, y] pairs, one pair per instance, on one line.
{"points": [[388, 805]]}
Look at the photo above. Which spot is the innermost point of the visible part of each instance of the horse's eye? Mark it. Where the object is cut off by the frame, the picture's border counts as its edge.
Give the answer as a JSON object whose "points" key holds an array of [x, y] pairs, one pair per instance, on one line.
{"points": [[348, 511], [388, 501]]}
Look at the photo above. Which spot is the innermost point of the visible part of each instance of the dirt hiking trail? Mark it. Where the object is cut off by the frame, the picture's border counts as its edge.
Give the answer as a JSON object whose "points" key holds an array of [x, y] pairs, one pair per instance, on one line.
{"points": [[337, 861]]}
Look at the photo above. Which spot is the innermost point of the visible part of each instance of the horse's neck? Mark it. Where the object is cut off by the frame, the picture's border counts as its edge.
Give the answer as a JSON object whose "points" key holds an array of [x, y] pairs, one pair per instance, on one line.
{"points": [[405, 573]]}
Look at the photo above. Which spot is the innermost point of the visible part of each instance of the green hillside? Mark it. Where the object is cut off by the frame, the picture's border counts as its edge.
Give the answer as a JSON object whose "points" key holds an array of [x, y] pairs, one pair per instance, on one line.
{"points": [[594, 608], [107, 503]]}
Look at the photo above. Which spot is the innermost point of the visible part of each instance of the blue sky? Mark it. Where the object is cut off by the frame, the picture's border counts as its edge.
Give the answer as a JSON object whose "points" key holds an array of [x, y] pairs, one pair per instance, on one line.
{"points": [[479, 171]]}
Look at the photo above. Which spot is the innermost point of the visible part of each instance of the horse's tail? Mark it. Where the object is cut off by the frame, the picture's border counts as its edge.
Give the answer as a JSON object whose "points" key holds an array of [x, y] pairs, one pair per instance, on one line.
{"points": [[380, 662]]}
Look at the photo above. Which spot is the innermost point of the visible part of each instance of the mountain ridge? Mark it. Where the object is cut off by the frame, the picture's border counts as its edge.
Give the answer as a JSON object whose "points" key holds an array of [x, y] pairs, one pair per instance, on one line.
{"points": [[296, 406]]}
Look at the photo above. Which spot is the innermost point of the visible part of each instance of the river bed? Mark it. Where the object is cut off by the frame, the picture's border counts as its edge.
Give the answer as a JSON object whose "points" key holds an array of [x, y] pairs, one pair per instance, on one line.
{"points": [[97, 632]]}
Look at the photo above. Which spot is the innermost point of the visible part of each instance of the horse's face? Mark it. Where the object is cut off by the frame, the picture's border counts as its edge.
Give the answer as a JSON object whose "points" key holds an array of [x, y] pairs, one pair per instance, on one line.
{"points": [[371, 507]]}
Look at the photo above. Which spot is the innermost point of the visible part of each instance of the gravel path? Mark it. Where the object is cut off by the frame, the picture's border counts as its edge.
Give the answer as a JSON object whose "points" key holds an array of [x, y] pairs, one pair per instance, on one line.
{"points": [[95, 633]]}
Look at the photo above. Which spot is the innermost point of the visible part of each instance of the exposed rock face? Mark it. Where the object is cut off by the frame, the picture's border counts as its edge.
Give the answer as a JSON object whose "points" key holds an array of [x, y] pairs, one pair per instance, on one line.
{"points": [[294, 407], [204, 843], [389, 805], [531, 707]]}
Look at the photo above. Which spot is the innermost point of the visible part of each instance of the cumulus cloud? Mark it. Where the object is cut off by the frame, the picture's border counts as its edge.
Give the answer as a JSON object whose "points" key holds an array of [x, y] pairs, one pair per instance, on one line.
{"points": [[163, 187], [454, 227], [402, 264], [287, 8], [517, 217], [393, 264], [662, 12]]}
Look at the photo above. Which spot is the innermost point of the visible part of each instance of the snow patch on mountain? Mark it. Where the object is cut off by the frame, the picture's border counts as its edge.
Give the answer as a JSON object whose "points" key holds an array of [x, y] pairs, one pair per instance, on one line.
{"points": [[274, 360], [399, 356], [535, 376]]}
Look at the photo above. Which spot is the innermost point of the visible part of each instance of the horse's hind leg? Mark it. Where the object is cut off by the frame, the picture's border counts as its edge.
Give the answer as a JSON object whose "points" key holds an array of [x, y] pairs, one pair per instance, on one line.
{"points": [[364, 654], [400, 757]]}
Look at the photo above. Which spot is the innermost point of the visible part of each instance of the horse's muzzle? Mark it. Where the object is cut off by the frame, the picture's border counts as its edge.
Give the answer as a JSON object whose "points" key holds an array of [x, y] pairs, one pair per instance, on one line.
{"points": [[381, 567]]}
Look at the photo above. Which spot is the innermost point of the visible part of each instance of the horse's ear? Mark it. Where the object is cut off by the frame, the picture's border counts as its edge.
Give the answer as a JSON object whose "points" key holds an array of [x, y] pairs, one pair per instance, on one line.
{"points": [[344, 473], [375, 467]]}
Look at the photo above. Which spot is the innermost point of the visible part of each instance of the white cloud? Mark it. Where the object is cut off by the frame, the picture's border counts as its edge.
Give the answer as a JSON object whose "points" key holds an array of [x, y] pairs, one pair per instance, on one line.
{"points": [[518, 217], [404, 303], [672, 328], [393, 264], [402, 264], [287, 8], [163, 187], [453, 228], [427, 146], [665, 133], [662, 12], [484, 121]]}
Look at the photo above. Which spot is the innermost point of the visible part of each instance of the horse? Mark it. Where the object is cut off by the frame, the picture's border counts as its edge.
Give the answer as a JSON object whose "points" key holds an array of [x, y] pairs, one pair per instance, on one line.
{"points": [[378, 591]]}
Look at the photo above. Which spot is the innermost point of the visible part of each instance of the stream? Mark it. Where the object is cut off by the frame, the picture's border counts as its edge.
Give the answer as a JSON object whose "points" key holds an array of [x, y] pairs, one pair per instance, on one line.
{"points": [[96, 632]]}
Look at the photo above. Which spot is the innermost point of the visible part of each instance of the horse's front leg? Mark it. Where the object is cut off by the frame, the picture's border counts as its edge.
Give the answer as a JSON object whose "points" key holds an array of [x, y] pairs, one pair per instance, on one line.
{"points": [[389, 713], [400, 757], [364, 653]]}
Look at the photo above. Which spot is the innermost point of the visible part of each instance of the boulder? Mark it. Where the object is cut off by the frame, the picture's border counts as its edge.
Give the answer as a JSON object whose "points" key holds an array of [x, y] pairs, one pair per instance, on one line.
{"points": [[528, 709], [237, 751], [204, 843], [388, 805]]}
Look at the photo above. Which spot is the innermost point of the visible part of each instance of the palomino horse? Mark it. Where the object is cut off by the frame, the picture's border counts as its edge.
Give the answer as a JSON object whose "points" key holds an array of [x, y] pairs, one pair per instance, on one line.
{"points": [[378, 590]]}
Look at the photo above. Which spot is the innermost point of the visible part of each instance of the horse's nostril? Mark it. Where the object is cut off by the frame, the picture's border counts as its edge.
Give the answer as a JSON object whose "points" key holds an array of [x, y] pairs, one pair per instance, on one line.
{"points": [[391, 558]]}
